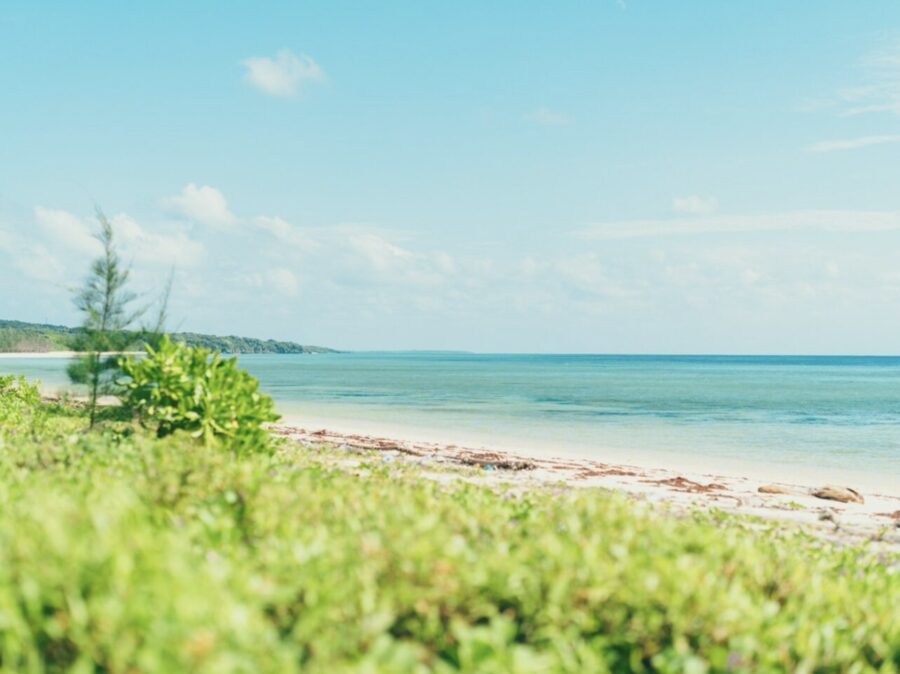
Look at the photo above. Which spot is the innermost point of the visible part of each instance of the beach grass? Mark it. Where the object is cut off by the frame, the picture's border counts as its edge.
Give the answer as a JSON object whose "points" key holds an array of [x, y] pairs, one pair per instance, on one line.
{"points": [[121, 552]]}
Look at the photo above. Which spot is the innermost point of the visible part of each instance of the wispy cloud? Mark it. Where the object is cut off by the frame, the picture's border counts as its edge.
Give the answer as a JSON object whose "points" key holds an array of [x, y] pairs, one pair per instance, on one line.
{"points": [[356, 254], [62, 227], [876, 92], [280, 279], [695, 205], [65, 230], [879, 90], [282, 75], [350, 274], [163, 248], [548, 117], [203, 204], [32, 258], [852, 143], [286, 232], [825, 221]]}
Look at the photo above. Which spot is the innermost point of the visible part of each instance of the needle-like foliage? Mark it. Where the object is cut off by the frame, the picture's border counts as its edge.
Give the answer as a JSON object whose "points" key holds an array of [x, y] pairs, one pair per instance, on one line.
{"points": [[106, 304]]}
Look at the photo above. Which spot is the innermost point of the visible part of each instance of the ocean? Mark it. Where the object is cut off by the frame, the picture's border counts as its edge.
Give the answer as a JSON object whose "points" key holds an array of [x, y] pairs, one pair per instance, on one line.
{"points": [[787, 417]]}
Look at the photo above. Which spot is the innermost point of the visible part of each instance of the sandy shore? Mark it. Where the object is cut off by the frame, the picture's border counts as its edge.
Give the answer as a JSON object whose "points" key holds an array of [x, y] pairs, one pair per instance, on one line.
{"points": [[877, 519], [60, 354], [684, 487], [41, 354], [645, 457]]}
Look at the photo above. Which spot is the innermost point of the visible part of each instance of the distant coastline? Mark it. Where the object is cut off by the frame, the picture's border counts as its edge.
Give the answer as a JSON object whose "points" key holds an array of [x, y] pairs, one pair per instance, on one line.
{"points": [[52, 354], [22, 339]]}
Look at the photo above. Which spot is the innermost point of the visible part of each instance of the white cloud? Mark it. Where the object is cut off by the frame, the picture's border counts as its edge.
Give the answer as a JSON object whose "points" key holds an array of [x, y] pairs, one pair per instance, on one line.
{"points": [[547, 117], [283, 280], [381, 255], [387, 263], [852, 143], [351, 273], [203, 204], [355, 257], [591, 278], [32, 258], [879, 91], [283, 75], [174, 248], [36, 262], [695, 205], [824, 221], [278, 280], [285, 232], [362, 256], [68, 230]]}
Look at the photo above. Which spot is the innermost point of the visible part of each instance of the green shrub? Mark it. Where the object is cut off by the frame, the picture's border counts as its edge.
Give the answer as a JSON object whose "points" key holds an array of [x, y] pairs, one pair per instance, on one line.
{"points": [[93, 580], [19, 403], [177, 387]]}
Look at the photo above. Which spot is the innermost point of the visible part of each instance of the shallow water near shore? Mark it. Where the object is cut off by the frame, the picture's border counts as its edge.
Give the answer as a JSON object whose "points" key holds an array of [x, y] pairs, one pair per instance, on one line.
{"points": [[798, 418]]}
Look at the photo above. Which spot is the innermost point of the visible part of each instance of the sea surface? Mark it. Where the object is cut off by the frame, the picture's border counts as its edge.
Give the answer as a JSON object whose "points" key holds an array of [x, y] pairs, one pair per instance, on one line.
{"points": [[794, 418]]}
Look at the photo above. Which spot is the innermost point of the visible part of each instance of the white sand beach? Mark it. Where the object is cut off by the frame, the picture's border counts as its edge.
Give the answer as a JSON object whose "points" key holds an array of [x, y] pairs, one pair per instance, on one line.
{"points": [[59, 354], [876, 519], [39, 354]]}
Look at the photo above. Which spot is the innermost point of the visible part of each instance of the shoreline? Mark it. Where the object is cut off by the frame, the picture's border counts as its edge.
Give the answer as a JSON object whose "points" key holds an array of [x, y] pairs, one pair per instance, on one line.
{"points": [[673, 480], [641, 458], [768, 455], [877, 519], [38, 354], [61, 354]]}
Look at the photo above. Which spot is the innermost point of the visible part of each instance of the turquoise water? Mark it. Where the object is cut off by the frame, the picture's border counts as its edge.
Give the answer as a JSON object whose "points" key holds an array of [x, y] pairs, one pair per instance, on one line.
{"points": [[793, 415]]}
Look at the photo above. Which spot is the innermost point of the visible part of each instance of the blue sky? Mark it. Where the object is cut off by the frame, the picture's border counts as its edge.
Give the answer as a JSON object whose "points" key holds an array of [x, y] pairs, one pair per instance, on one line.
{"points": [[638, 176]]}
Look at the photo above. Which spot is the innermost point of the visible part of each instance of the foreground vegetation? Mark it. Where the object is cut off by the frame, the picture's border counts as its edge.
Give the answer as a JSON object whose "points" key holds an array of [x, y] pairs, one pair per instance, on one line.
{"points": [[39, 337], [124, 552]]}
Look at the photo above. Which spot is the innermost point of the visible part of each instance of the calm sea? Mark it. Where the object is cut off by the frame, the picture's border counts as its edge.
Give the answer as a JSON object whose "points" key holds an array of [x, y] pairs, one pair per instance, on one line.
{"points": [[793, 416]]}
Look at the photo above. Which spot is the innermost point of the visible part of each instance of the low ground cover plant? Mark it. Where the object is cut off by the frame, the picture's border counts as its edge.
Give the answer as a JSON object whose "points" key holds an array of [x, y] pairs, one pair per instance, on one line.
{"points": [[130, 553]]}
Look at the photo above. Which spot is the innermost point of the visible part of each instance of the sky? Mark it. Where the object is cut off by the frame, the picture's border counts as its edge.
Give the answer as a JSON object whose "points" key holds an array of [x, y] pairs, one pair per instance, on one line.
{"points": [[632, 176]]}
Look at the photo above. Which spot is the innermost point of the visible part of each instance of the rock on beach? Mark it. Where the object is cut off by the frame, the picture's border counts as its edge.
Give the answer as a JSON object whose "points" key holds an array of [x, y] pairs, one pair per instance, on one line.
{"points": [[835, 493]]}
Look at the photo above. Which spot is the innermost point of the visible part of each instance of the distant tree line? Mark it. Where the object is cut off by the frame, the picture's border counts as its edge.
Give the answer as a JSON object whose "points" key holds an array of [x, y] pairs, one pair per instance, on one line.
{"points": [[35, 337], [40, 338]]}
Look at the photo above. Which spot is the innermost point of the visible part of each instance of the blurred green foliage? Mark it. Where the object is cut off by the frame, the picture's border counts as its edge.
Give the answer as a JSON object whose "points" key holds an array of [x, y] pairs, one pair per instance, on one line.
{"points": [[124, 553], [178, 387], [19, 402]]}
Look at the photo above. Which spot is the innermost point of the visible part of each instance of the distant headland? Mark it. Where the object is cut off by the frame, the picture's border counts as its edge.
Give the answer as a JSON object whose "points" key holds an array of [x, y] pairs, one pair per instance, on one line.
{"points": [[22, 337]]}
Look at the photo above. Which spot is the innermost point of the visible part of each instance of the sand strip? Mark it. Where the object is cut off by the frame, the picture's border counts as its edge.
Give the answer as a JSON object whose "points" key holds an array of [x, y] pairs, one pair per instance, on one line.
{"points": [[877, 519], [62, 354]]}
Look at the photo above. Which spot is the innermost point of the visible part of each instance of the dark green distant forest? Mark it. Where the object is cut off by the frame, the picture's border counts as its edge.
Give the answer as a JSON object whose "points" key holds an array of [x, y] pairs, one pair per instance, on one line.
{"points": [[40, 337]]}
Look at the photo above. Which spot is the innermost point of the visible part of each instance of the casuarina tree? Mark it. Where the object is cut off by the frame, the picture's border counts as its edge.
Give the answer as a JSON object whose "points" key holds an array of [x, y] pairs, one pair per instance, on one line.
{"points": [[106, 306]]}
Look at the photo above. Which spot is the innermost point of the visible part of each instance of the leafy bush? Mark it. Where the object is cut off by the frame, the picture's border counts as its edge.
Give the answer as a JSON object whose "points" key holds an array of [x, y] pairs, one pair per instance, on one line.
{"points": [[19, 403], [93, 580], [178, 387]]}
